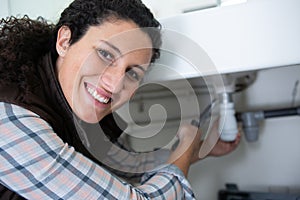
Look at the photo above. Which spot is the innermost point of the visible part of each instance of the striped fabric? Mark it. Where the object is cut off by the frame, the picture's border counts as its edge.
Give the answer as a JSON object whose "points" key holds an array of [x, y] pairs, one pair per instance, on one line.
{"points": [[35, 163]]}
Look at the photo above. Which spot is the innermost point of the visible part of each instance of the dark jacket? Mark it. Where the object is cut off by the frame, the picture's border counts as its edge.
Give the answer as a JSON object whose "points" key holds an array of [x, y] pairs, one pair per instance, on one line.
{"points": [[45, 98]]}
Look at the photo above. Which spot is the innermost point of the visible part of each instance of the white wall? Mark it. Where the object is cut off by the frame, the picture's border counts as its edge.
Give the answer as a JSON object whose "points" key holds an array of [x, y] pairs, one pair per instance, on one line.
{"points": [[4, 8], [50, 10]]}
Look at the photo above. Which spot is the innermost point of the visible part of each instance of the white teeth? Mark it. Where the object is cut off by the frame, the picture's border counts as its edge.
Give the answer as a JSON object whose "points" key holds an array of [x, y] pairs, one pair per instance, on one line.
{"points": [[95, 94]]}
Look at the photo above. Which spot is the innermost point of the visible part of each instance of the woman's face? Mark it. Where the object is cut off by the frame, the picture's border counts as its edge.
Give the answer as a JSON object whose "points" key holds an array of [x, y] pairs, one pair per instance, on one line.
{"points": [[101, 71]]}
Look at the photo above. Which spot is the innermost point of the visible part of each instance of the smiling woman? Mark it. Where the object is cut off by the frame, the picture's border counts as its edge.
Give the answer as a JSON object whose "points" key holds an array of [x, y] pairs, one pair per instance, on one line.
{"points": [[107, 69], [59, 87]]}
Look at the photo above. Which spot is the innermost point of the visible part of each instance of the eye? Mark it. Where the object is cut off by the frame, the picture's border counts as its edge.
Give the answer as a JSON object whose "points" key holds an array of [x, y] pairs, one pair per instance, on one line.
{"points": [[106, 55], [133, 75]]}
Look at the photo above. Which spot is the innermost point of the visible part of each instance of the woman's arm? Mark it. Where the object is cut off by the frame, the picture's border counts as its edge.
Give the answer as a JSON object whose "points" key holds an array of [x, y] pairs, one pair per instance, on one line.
{"points": [[189, 150], [131, 165], [35, 163]]}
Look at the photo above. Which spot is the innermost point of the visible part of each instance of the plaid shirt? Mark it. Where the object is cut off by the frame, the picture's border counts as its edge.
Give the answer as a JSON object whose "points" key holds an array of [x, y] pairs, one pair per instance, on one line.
{"points": [[37, 164]]}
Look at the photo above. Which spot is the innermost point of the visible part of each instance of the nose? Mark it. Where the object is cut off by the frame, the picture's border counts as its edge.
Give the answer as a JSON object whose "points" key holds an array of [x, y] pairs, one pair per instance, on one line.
{"points": [[112, 78]]}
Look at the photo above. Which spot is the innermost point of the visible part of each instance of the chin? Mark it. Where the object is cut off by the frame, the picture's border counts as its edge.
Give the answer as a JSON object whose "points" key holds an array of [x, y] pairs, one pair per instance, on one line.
{"points": [[91, 121]]}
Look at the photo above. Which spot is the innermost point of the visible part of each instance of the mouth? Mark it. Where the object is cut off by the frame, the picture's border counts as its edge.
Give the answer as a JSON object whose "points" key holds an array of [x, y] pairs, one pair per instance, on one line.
{"points": [[104, 99]]}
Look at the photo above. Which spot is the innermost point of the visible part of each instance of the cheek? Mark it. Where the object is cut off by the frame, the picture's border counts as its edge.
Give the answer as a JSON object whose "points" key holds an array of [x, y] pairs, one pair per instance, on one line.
{"points": [[71, 85], [69, 75]]}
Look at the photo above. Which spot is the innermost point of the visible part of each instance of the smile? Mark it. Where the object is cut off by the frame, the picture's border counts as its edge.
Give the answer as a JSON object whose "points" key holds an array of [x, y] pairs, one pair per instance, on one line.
{"points": [[97, 96]]}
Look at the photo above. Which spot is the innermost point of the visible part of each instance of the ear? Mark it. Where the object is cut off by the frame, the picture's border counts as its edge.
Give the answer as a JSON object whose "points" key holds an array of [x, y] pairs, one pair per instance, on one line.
{"points": [[63, 39]]}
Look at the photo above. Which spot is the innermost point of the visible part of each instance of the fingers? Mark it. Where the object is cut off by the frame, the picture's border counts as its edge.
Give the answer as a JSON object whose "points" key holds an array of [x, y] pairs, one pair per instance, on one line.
{"points": [[222, 147], [232, 145]]}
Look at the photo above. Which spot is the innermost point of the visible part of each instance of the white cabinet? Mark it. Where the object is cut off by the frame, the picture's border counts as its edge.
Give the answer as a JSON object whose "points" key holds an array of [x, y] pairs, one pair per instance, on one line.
{"points": [[250, 36]]}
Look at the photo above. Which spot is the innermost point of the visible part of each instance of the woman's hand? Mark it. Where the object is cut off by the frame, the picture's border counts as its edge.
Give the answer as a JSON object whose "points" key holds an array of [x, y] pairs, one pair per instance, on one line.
{"points": [[214, 146], [222, 148], [191, 148]]}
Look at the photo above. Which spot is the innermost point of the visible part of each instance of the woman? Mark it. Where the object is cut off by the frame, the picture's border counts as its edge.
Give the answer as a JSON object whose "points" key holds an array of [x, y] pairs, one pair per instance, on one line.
{"points": [[57, 79]]}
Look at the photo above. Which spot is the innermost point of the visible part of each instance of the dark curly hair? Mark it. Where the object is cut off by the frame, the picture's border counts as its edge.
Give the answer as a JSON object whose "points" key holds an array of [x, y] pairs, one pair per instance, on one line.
{"points": [[81, 14], [24, 41]]}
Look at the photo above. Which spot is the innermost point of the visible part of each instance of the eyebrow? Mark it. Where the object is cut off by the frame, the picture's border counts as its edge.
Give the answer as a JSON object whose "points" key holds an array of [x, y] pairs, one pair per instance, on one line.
{"points": [[112, 46], [140, 67]]}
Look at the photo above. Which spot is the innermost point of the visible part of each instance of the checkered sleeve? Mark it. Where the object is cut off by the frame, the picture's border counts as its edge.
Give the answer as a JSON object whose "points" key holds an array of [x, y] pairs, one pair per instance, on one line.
{"points": [[35, 163], [131, 165]]}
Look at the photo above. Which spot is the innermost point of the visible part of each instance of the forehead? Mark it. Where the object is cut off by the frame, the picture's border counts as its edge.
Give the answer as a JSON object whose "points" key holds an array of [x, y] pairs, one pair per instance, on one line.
{"points": [[125, 35]]}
